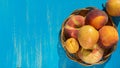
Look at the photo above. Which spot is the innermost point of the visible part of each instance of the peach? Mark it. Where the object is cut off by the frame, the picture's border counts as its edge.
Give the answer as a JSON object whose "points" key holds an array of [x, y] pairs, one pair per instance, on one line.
{"points": [[88, 36], [76, 21], [113, 7], [72, 45], [108, 36], [91, 56], [70, 32], [96, 18]]}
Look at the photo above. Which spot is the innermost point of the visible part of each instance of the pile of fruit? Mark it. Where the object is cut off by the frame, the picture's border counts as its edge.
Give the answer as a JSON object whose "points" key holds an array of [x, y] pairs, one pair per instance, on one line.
{"points": [[89, 36]]}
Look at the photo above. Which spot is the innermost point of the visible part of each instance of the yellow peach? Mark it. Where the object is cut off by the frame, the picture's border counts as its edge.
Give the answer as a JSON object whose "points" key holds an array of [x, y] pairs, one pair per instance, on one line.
{"points": [[72, 45], [91, 56], [88, 36]]}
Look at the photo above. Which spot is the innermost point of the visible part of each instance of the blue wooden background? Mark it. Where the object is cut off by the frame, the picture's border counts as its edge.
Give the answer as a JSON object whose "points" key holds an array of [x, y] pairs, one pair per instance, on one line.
{"points": [[29, 33]]}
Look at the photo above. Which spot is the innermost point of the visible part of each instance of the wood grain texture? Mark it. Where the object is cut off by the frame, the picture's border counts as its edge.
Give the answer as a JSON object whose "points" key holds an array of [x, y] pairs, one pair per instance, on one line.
{"points": [[29, 33]]}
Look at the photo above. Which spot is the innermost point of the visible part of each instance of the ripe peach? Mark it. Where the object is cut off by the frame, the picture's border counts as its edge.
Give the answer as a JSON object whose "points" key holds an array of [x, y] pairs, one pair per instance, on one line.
{"points": [[76, 21], [113, 7], [91, 56], [88, 36], [96, 18], [70, 32], [72, 45], [108, 36]]}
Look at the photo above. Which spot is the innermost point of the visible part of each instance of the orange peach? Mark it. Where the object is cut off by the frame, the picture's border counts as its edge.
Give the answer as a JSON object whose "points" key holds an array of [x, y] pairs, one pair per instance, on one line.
{"points": [[113, 7], [96, 18], [88, 36], [76, 21], [108, 36], [72, 45]]}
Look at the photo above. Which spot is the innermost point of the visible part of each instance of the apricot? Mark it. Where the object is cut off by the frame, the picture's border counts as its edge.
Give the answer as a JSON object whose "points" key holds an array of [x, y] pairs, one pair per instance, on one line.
{"points": [[76, 21], [88, 36], [108, 36], [96, 18], [72, 45], [91, 56]]}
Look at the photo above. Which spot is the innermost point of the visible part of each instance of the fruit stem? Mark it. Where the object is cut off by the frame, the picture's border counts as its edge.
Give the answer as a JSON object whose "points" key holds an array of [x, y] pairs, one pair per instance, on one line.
{"points": [[82, 50]]}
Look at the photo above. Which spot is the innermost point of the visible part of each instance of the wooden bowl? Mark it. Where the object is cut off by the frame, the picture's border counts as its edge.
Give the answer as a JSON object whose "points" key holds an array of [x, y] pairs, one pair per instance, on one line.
{"points": [[73, 57]]}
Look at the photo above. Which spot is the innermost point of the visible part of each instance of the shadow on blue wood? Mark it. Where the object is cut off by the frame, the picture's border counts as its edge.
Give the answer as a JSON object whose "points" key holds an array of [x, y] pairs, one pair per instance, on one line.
{"points": [[116, 20], [65, 62]]}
